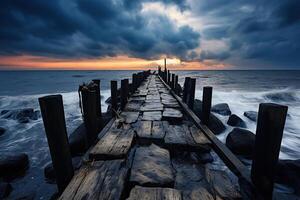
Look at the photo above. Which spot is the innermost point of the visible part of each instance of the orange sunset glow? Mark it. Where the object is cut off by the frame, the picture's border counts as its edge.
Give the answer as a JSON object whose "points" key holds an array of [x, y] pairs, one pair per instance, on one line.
{"points": [[108, 63]]}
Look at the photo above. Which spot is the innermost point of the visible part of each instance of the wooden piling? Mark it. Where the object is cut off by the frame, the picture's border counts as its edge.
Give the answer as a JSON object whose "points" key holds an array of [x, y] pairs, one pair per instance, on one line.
{"points": [[173, 81], [169, 78], [186, 89], [269, 131], [175, 84], [206, 104], [55, 127], [89, 107], [114, 96], [191, 93], [98, 96], [124, 92]]}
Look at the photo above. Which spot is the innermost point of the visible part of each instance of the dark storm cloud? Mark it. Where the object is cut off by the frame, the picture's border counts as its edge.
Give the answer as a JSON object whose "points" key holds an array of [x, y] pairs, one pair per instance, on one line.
{"points": [[256, 31], [91, 28]]}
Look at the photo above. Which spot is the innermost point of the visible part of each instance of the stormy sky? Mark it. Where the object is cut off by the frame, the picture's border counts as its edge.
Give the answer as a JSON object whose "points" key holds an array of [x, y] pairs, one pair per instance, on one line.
{"points": [[240, 33]]}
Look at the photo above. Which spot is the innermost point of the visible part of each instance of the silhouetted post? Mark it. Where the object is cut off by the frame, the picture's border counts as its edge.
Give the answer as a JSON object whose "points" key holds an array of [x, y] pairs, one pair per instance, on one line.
{"points": [[169, 78], [175, 84], [191, 93], [206, 104], [269, 130], [173, 81], [89, 107], [124, 92], [134, 83], [186, 89], [98, 96], [114, 97], [55, 127]]}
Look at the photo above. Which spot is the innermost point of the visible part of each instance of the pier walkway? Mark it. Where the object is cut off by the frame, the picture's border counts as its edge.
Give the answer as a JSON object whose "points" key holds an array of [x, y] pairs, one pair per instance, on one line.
{"points": [[151, 151]]}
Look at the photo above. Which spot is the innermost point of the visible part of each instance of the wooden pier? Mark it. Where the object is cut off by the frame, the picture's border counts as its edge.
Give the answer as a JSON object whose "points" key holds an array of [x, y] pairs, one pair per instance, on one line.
{"points": [[155, 147]]}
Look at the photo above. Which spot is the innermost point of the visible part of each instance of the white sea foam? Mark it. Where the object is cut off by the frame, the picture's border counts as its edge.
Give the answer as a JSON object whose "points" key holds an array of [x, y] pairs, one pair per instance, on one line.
{"points": [[241, 101]]}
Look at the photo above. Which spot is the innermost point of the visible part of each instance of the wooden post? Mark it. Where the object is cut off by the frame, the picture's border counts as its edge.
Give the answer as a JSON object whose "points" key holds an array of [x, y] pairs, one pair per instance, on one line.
{"points": [[175, 85], [124, 92], [206, 104], [89, 107], [55, 127], [169, 78], [269, 131], [186, 89], [114, 96], [173, 81], [191, 94], [98, 96], [134, 83]]}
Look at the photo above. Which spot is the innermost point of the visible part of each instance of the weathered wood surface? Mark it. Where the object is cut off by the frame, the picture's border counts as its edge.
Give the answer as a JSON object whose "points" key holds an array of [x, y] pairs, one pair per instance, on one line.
{"points": [[152, 167], [114, 144], [139, 193], [151, 117], [100, 180]]}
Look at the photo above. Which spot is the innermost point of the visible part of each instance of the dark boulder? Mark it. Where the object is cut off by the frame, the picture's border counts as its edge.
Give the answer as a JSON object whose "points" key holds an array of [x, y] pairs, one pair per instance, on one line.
{"points": [[49, 172], [252, 115], [29, 196], [235, 120], [2, 131], [5, 189], [222, 109], [77, 141], [22, 115], [12, 165], [241, 142], [288, 172], [215, 124]]}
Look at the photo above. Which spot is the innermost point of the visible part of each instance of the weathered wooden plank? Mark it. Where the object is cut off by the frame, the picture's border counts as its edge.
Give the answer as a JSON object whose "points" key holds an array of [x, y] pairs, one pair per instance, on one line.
{"points": [[221, 184], [158, 131], [178, 137], [152, 107], [172, 114], [152, 116], [152, 167], [153, 96], [114, 144], [130, 117], [100, 180], [138, 98], [198, 136], [133, 106], [144, 129], [138, 193]]}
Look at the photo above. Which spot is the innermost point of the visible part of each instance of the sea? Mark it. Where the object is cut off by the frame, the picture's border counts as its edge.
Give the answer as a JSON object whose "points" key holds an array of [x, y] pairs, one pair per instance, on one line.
{"points": [[243, 90]]}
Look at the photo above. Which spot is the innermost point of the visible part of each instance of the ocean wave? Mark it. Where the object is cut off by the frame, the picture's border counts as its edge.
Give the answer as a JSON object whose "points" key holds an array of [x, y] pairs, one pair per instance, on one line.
{"points": [[287, 95]]}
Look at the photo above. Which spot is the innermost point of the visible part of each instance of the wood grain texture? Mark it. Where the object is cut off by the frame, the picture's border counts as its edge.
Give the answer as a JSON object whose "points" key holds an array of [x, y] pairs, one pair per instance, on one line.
{"points": [[101, 180], [116, 143], [139, 193], [152, 167]]}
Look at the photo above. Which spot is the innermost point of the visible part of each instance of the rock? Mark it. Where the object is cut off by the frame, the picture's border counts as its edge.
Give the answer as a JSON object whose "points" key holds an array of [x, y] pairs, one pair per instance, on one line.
{"points": [[5, 189], [215, 124], [49, 172], [241, 142], [77, 141], [288, 172], [13, 165], [252, 115], [235, 120], [222, 109], [2, 131], [30, 196], [22, 115]]}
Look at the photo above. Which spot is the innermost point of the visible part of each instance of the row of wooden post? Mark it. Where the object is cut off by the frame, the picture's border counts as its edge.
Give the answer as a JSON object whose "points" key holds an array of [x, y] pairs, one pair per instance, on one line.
{"points": [[90, 102], [269, 131]]}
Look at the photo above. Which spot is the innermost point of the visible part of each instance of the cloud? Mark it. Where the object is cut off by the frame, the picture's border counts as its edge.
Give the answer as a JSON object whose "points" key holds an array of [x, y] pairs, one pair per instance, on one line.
{"points": [[239, 33], [91, 29]]}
